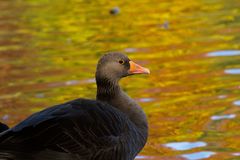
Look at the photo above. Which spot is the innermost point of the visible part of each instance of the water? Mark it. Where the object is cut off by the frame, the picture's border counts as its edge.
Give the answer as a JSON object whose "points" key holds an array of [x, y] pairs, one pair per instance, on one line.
{"points": [[232, 71], [181, 146], [227, 116], [224, 53], [237, 103], [198, 155], [49, 49]]}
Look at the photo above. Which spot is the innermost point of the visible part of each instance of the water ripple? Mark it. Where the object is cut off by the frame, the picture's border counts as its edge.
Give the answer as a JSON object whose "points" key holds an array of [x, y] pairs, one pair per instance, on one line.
{"points": [[236, 154], [224, 53], [145, 99], [232, 71], [144, 157], [185, 145], [237, 103], [222, 96], [198, 155], [226, 116]]}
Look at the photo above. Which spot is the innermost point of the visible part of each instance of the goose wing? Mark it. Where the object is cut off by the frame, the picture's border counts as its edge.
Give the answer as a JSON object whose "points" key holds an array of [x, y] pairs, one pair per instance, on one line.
{"points": [[84, 128]]}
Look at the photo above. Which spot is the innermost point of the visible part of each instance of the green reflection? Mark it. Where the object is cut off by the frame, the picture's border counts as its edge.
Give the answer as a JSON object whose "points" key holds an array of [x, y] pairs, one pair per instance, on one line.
{"points": [[49, 49]]}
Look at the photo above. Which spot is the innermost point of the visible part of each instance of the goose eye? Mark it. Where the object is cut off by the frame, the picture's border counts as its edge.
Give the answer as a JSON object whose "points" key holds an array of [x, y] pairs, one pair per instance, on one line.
{"points": [[121, 61]]}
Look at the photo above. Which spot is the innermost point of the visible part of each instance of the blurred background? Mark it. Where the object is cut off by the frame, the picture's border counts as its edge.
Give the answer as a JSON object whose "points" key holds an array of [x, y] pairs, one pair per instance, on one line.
{"points": [[49, 50]]}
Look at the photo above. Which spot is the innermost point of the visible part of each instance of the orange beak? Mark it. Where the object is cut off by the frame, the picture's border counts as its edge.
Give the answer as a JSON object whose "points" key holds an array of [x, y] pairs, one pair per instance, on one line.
{"points": [[137, 69]]}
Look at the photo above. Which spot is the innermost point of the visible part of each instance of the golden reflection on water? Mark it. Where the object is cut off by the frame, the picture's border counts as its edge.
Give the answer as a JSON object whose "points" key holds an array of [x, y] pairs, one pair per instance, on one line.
{"points": [[49, 49]]}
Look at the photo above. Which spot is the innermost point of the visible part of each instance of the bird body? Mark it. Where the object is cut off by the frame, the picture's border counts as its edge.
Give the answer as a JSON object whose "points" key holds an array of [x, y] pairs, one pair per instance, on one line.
{"points": [[3, 127], [113, 127]]}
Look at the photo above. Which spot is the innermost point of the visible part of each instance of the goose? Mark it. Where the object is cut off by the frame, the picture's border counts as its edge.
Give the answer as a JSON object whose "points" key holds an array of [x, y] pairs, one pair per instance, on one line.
{"points": [[112, 127]]}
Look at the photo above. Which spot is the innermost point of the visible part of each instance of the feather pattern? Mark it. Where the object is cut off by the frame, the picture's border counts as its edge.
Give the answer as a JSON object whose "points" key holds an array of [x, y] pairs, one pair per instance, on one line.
{"points": [[83, 129]]}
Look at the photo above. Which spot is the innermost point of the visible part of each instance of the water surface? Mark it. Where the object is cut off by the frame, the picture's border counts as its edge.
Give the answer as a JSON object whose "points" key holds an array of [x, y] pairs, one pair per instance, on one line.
{"points": [[49, 49]]}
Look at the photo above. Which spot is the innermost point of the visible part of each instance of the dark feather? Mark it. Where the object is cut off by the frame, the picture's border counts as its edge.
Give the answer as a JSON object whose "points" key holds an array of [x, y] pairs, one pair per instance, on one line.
{"points": [[81, 128], [3, 127]]}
